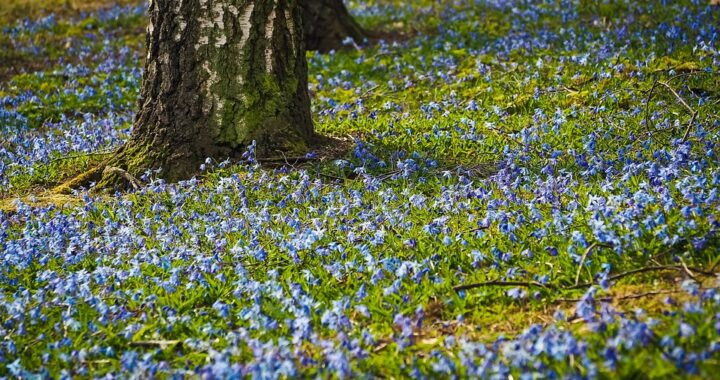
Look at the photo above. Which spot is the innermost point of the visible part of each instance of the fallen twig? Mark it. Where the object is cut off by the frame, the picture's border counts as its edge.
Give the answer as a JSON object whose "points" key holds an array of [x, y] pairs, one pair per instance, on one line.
{"points": [[285, 160], [368, 91], [689, 128], [687, 106], [524, 284], [647, 103], [476, 229], [584, 256], [655, 268], [687, 270], [528, 284], [155, 343]]}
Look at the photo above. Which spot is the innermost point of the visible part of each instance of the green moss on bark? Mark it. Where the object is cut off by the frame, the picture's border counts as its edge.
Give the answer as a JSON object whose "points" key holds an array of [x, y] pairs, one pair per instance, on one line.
{"points": [[219, 75]]}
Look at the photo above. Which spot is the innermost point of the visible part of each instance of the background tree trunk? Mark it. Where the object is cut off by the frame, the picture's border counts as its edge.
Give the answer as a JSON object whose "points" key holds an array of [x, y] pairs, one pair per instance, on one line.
{"points": [[327, 24], [219, 74]]}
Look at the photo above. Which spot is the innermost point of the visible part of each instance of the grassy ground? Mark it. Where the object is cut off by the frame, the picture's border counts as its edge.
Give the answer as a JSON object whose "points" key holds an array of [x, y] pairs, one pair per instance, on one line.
{"points": [[532, 191]]}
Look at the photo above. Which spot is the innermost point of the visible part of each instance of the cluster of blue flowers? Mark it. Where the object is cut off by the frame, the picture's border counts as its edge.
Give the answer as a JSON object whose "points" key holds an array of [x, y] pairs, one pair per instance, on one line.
{"points": [[523, 198], [84, 103]]}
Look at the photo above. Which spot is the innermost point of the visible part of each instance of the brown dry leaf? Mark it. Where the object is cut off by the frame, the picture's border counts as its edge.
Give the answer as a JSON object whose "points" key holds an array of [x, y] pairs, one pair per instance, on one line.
{"points": [[380, 347], [429, 341]]}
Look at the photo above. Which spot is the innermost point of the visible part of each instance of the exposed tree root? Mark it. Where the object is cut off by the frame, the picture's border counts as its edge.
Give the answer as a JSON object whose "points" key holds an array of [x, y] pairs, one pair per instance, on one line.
{"points": [[81, 180], [123, 170], [136, 183]]}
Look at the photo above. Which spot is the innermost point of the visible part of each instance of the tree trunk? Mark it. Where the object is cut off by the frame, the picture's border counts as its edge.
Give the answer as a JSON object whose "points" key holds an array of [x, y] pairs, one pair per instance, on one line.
{"points": [[327, 24], [219, 74]]}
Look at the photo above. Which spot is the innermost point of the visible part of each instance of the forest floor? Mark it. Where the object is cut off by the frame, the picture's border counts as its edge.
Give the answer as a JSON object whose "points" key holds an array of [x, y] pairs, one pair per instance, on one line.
{"points": [[531, 190]]}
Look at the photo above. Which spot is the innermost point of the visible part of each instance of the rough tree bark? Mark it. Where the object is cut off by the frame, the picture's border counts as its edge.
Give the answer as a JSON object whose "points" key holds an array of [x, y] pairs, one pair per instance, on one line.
{"points": [[327, 24], [219, 74]]}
